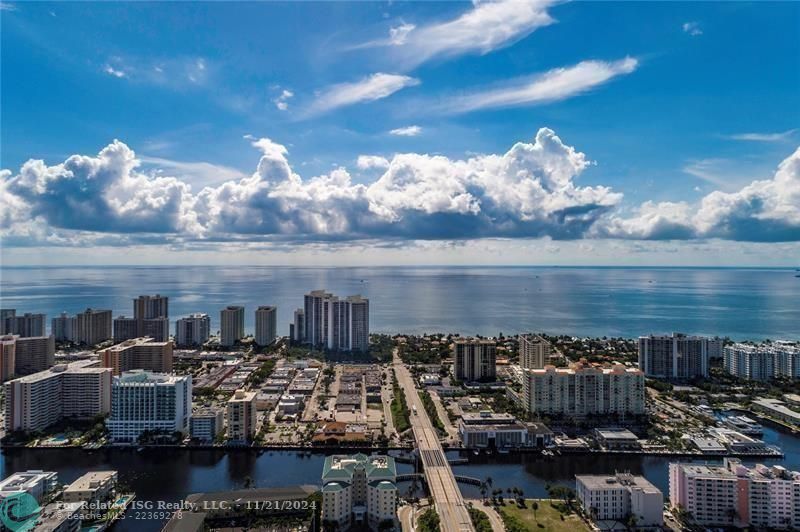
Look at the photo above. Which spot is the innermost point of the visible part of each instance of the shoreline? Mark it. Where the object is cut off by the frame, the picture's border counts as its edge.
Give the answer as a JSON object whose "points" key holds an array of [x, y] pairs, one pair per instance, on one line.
{"points": [[370, 449]]}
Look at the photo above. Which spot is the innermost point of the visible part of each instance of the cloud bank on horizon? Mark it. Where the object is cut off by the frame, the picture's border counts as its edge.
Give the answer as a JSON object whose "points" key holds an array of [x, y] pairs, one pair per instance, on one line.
{"points": [[530, 191]]}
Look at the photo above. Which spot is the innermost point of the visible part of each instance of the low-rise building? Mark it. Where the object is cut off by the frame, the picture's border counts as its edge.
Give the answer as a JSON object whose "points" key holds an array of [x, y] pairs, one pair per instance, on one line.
{"points": [[486, 429], [616, 439], [359, 489], [777, 409], [290, 405], [91, 487], [34, 482], [619, 497], [206, 424]]}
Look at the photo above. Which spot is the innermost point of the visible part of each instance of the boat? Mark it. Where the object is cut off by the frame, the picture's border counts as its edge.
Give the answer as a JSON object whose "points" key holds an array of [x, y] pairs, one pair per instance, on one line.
{"points": [[476, 452], [503, 451]]}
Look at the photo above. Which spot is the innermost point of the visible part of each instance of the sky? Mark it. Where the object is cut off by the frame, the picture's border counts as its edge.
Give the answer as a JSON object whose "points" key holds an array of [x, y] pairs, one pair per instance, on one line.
{"points": [[337, 133]]}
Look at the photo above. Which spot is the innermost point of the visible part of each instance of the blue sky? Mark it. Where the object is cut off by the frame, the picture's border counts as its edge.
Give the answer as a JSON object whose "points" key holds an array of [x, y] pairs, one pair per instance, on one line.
{"points": [[406, 114]]}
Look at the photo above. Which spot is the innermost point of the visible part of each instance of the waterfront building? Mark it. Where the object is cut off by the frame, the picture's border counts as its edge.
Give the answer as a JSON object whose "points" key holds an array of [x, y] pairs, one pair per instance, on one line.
{"points": [[192, 330], [143, 401], [138, 353], [34, 482], [92, 487], [125, 328], [762, 362], [582, 391], [242, 416], [619, 497], [534, 351], [297, 328], [675, 356], [34, 354], [206, 424], [93, 326], [616, 439], [735, 495], [334, 323], [266, 325], [474, 359], [777, 409], [8, 361], [231, 325], [79, 390], [359, 490], [29, 324], [487, 429], [63, 327]]}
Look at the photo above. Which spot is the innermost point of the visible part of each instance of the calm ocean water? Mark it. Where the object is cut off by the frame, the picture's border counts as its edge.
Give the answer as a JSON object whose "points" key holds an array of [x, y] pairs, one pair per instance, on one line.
{"points": [[740, 303]]}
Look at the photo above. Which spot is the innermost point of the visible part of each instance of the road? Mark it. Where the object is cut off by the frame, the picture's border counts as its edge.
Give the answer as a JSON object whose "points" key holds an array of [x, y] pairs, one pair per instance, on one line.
{"points": [[494, 518], [452, 431], [449, 503]]}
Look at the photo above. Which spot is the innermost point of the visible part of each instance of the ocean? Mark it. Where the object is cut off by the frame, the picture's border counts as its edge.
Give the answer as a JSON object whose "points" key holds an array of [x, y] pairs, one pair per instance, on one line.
{"points": [[739, 303]]}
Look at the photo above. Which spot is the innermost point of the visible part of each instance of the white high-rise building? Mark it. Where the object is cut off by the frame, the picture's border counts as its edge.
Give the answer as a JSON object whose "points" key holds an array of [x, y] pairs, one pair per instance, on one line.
{"points": [[735, 495], [474, 359], [336, 324], [359, 490], [582, 391], [616, 497], [78, 390], [762, 362], [192, 330], [266, 325], [534, 351], [674, 356], [154, 402], [231, 325], [63, 327]]}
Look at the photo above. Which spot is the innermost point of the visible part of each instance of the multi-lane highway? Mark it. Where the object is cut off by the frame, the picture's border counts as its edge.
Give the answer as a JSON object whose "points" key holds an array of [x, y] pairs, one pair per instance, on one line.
{"points": [[447, 498]]}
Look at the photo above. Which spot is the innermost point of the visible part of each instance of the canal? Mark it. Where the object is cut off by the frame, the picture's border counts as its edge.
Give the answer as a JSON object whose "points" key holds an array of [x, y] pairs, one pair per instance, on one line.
{"points": [[169, 475]]}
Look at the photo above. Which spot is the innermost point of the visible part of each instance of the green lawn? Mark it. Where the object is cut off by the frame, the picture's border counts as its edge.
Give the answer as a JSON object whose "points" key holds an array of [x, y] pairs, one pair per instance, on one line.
{"points": [[547, 518]]}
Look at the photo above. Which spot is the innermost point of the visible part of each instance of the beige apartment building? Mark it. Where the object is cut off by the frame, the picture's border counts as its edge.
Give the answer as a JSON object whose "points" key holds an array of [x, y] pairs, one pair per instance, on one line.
{"points": [[534, 351], [138, 353], [582, 391], [242, 416]]}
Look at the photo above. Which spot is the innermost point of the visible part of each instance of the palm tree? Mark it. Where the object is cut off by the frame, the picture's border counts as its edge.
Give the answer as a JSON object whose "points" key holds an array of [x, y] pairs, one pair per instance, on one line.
{"points": [[534, 507]]}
